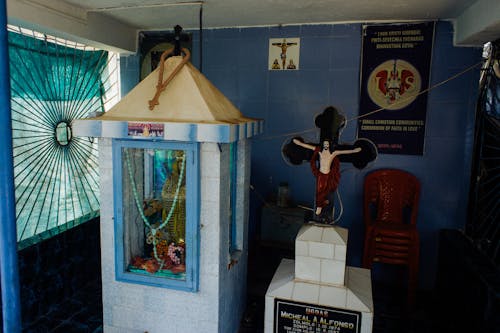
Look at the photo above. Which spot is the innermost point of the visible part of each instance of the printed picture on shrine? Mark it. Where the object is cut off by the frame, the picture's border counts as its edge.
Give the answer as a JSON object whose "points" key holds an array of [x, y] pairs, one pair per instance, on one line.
{"points": [[284, 54]]}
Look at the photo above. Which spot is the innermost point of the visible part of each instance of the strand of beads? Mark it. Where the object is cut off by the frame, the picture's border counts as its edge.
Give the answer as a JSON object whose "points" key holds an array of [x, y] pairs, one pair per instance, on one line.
{"points": [[139, 206]]}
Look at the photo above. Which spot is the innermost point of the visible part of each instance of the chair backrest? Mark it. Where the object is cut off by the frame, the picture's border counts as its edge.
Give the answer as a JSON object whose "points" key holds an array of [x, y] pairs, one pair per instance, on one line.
{"points": [[391, 193]]}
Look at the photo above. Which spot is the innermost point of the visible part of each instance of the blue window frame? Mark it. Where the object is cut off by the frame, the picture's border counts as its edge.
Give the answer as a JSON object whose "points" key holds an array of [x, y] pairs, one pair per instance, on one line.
{"points": [[157, 213]]}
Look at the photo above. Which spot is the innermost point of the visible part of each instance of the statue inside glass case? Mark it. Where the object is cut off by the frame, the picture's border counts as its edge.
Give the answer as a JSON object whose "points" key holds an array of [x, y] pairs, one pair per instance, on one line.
{"points": [[157, 233]]}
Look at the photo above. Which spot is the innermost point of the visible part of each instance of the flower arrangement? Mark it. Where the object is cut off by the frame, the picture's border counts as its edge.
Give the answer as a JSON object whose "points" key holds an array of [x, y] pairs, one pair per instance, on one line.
{"points": [[175, 253]]}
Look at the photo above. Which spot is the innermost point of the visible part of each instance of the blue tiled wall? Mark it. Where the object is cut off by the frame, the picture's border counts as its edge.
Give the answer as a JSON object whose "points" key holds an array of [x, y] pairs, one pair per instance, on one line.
{"points": [[235, 60]]}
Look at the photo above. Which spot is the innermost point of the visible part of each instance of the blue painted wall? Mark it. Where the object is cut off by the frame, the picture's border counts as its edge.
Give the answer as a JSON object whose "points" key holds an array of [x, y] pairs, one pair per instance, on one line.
{"points": [[235, 60]]}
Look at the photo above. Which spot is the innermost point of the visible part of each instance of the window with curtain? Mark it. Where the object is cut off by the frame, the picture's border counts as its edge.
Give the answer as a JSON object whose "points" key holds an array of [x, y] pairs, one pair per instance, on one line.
{"points": [[54, 81]]}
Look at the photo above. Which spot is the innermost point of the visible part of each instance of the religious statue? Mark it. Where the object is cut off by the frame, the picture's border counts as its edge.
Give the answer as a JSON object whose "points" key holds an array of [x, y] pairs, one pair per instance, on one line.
{"points": [[325, 159]]}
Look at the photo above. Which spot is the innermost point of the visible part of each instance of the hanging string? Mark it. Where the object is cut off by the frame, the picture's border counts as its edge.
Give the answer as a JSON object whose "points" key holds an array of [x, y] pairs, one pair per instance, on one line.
{"points": [[377, 110], [141, 211], [289, 134]]}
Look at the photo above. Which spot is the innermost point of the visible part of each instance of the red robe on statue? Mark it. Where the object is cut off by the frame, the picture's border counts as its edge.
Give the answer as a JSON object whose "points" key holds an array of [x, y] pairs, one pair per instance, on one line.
{"points": [[325, 183]]}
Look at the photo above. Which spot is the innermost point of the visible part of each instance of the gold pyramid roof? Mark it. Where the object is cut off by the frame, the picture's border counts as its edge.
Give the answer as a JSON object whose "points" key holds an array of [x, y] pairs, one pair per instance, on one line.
{"points": [[189, 98]]}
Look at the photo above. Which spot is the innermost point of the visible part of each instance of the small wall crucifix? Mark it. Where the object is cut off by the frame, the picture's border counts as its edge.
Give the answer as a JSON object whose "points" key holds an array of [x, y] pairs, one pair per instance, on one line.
{"points": [[284, 53]]}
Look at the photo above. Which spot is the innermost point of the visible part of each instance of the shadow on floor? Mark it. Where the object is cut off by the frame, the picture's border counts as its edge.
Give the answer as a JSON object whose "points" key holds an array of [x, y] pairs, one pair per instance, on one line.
{"points": [[80, 314]]}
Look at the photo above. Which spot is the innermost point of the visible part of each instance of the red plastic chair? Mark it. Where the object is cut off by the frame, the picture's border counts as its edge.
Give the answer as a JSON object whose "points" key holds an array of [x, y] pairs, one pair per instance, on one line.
{"points": [[390, 217]]}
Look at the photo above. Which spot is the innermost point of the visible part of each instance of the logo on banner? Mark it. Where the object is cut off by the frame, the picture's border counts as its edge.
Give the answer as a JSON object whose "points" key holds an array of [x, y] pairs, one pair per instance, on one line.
{"points": [[394, 84]]}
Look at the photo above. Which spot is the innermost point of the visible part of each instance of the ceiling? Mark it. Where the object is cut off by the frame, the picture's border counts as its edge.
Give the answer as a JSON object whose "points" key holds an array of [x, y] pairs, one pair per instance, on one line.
{"points": [[155, 14], [115, 22]]}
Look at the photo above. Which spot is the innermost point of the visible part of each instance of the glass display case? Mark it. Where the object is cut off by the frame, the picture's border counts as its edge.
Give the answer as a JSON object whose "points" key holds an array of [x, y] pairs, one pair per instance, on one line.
{"points": [[156, 220]]}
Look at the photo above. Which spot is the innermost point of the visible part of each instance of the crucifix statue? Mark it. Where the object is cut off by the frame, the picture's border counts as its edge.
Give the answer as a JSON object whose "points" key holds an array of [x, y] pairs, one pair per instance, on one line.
{"points": [[325, 159], [284, 47]]}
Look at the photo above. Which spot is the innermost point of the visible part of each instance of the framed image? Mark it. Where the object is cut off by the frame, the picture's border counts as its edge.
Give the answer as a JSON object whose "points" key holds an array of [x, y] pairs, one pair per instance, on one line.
{"points": [[284, 54]]}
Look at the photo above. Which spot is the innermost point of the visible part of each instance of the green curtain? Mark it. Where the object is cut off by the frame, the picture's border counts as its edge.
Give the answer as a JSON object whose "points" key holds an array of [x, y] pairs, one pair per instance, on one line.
{"points": [[55, 174]]}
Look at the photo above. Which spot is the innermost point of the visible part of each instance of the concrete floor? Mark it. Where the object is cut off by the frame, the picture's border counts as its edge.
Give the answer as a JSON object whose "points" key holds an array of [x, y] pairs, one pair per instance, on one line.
{"points": [[83, 312]]}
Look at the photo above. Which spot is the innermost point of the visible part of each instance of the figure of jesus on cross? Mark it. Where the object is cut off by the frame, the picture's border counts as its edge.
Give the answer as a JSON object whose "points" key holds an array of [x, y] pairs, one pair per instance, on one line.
{"points": [[325, 159], [328, 173], [284, 47]]}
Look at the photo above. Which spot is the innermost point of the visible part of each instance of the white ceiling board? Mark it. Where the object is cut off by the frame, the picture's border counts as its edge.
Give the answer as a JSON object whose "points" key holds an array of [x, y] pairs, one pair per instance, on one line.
{"points": [[241, 13], [479, 23], [165, 14], [74, 24]]}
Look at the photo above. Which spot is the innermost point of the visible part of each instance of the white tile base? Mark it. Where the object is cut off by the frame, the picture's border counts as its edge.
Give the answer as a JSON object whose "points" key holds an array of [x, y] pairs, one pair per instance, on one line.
{"points": [[355, 295], [320, 277], [320, 254]]}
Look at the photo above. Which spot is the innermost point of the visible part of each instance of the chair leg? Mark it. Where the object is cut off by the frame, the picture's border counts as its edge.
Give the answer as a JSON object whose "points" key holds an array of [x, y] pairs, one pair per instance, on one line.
{"points": [[413, 276], [367, 254], [368, 250], [412, 288]]}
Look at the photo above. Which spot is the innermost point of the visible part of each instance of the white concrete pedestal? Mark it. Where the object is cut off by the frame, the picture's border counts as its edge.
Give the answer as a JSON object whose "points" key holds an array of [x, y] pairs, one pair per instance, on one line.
{"points": [[319, 287]]}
